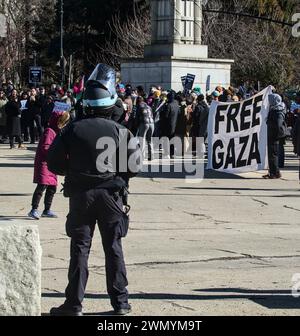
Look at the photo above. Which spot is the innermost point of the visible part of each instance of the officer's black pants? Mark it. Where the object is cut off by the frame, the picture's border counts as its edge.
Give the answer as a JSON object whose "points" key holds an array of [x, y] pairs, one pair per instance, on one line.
{"points": [[87, 208]]}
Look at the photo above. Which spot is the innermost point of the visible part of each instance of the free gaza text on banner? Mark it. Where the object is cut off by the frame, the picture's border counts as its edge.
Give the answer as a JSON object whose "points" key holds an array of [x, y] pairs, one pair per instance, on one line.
{"points": [[237, 134]]}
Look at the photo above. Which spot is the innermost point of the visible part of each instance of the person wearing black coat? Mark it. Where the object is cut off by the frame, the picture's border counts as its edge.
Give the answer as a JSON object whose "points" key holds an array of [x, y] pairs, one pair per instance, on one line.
{"points": [[168, 117], [200, 118], [172, 114], [13, 115], [173, 110], [95, 194], [90, 154], [200, 121], [296, 138], [34, 106], [276, 131]]}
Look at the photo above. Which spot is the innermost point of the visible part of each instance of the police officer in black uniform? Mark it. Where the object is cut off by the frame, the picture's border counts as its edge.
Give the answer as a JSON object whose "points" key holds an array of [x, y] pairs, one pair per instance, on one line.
{"points": [[94, 182]]}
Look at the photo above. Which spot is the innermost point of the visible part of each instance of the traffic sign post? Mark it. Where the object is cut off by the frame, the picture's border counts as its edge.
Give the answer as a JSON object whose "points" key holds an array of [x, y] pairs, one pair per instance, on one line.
{"points": [[35, 75]]}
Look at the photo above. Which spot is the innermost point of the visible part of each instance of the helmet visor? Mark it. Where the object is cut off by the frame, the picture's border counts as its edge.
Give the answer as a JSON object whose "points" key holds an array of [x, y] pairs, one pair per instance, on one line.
{"points": [[106, 76]]}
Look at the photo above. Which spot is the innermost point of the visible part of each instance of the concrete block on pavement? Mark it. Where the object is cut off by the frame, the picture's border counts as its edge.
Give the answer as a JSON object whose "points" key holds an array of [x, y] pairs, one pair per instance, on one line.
{"points": [[20, 269]]}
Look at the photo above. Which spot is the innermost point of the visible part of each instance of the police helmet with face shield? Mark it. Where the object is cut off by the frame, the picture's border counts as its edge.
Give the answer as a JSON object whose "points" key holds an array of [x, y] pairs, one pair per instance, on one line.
{"points": [[100, 94]]}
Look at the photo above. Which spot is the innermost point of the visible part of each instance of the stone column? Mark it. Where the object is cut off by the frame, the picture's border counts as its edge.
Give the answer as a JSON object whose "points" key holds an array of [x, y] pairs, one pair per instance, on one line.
{"points": [[164, 22], [177, 21], [187, 19], [197, 21]]}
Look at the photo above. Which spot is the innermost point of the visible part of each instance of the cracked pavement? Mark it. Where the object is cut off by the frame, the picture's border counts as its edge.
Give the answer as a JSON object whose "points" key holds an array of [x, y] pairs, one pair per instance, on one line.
{"points": [[227, 246]]}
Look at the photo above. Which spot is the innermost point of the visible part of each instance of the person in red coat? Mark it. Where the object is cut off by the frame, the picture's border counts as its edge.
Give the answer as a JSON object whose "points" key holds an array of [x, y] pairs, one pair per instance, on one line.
{"points": [[45, 180]]}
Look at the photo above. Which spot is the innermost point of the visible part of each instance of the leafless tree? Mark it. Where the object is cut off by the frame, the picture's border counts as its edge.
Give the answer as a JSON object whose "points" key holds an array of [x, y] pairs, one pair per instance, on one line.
{"points": [[23, 19], [262, 51], [130, 38]]}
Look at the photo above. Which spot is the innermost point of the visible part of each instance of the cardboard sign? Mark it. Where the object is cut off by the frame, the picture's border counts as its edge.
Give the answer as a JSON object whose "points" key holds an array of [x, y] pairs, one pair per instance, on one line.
{"points": [[189, 82]]}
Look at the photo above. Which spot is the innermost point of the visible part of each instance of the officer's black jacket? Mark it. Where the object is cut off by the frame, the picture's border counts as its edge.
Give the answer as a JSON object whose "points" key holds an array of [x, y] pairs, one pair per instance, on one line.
{"points": [[77, 153]]}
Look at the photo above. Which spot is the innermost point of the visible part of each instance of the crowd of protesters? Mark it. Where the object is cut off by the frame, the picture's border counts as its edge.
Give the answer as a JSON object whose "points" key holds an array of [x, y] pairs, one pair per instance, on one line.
{"points": [[170, 114], [158, 113], [24, 114]]}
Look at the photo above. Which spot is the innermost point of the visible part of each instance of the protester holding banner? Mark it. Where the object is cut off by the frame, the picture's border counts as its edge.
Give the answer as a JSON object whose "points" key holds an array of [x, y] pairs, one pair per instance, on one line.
{"points": [[276, 131]]}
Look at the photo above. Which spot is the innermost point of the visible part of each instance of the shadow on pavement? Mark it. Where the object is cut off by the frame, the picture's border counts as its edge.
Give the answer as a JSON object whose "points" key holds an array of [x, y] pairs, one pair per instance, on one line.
{"points": [[215, 195], [234, 189], [278, 299], [271, 299], [109, 313], [9, 218], [14, 195], [16, 165], [19, 158], [208, 174]]}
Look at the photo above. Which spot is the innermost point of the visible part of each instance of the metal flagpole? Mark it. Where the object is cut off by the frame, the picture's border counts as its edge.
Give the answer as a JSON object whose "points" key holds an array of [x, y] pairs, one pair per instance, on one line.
{"points": [[62, 43]]}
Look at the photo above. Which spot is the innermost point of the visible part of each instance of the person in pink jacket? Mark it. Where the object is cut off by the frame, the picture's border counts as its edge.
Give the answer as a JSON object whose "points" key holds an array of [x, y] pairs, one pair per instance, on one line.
{"points": [[45, 180]]}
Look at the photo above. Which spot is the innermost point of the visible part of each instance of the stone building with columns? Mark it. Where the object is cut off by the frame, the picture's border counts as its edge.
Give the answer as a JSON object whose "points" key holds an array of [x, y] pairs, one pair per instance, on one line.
{"points": [[176, 49]]}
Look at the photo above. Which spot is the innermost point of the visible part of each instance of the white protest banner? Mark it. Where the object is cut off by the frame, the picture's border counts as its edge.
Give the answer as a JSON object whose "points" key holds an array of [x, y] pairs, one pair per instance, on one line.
{"points": [[61, 107], [237, 134]]}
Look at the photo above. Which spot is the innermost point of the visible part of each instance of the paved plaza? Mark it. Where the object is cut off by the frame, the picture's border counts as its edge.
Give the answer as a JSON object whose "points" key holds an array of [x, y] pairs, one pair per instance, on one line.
{"points": [[227, 246]]}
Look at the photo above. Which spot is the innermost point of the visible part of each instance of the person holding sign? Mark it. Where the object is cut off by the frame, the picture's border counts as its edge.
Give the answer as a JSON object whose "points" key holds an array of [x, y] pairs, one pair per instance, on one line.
{"points": [[276, 131]]}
